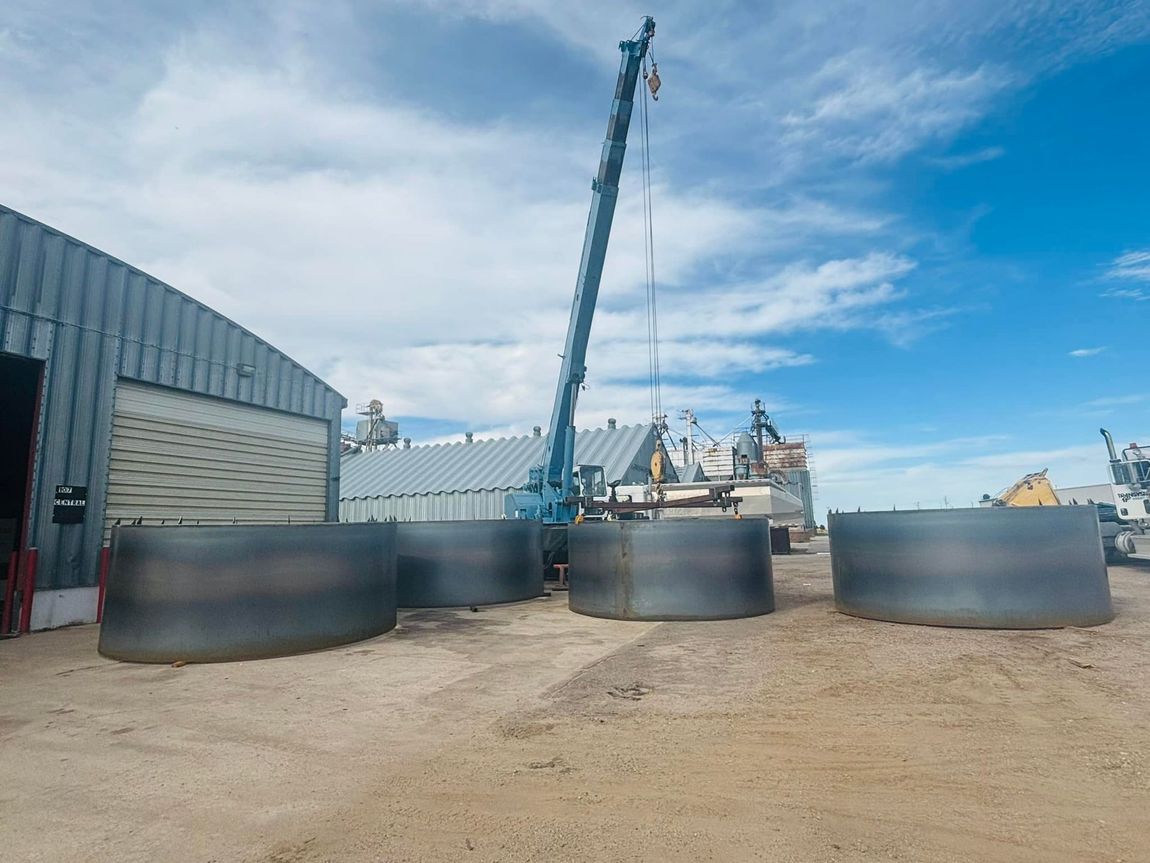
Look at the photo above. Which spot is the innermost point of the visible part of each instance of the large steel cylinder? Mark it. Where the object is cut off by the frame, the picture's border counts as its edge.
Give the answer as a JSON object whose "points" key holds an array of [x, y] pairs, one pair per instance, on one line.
{"points": [[678, 569], [993, 567], [216, 594], [461, 563]]}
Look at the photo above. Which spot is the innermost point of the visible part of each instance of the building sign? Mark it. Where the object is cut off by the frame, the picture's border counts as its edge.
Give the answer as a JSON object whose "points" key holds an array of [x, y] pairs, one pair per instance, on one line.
{"points": [[70, 504]]}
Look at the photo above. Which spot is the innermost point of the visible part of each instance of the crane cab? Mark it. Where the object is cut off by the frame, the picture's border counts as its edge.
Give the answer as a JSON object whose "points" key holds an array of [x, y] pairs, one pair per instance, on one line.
{"points": [[590, 481], [538, 500]]}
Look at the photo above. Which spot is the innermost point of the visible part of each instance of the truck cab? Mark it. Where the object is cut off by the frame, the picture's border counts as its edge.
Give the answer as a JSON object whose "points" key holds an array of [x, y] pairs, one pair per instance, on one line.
{"points": [[1130, 485]]}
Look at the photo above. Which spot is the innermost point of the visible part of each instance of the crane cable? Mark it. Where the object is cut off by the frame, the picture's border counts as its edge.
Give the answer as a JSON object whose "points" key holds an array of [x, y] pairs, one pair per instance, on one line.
{"points": [[655, 377]]}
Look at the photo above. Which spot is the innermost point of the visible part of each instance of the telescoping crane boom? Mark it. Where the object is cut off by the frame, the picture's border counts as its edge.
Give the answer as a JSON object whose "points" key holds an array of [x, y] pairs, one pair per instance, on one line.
{"points": [[551, 493]]}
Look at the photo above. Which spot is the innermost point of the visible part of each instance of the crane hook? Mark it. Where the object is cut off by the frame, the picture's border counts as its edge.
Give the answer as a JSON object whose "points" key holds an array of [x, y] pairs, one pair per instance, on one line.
{"points": [[653, 81]]}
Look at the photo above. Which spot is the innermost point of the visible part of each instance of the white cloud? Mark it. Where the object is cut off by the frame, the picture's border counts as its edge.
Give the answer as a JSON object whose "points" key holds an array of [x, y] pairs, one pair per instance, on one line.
{"points": [[1130, 267], [404, 252], [1095, 409], [803, 86], [1116, 401], [836, 294], [905, 328], [1136, 294], [426, 261], [1133, 266], [369, 227], [871, 111], [860, 454], [965, 160], [955, 472], [1086, 352], [511, 385]]}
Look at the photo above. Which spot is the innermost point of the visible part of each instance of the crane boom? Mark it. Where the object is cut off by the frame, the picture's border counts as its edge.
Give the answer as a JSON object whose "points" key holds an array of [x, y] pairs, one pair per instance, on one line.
{"points": [[551, 486]]}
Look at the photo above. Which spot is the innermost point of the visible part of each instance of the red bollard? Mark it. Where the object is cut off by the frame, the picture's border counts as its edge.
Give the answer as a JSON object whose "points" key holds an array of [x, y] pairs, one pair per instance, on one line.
{"points": [[31, 557], [9, 593], [104, 555]]}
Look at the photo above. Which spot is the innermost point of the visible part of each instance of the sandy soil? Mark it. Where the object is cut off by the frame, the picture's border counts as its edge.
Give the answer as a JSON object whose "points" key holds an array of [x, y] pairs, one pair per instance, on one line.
{"points": [[530, 733]]}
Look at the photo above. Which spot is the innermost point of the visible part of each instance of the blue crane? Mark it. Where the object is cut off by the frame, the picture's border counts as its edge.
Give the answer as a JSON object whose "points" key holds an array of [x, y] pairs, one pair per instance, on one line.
{"points": [[551, 493]]}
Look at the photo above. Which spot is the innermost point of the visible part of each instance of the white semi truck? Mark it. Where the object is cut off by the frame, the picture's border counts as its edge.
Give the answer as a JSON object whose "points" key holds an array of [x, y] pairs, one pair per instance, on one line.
{"points": [[1130, 484]]}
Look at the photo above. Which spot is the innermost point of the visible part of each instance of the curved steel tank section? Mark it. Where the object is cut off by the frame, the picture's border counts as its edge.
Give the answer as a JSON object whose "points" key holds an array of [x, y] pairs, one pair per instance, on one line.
{"points": [[994, 567], [461, 563], [678, 569], [218, 594]]}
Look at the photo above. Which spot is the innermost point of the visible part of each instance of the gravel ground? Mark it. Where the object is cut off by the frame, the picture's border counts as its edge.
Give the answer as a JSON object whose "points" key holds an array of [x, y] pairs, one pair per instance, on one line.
{"points": [[529, 733]]}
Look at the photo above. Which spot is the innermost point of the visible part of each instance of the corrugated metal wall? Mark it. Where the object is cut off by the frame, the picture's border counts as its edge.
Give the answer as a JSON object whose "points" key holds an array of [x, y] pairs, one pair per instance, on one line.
{"points": [[454, 482], [443, 506], [799, 484], [91, 319]]}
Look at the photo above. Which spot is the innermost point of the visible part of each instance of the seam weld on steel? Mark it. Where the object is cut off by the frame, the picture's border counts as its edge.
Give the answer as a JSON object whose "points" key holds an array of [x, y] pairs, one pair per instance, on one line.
{"points": [[678, 569], [445, 564], [218, 594], [993, 567]]}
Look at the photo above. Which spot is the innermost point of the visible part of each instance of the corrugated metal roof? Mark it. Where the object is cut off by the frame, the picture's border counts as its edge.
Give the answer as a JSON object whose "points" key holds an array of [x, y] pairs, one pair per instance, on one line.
{"points": [[692, 473], [502, 463], [58, 291]]}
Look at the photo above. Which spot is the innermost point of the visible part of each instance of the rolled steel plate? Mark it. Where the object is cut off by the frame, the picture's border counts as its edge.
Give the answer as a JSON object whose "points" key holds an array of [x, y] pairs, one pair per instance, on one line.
{"points": [[462, 563], [993, 567], [217, 594], [677, 569]]}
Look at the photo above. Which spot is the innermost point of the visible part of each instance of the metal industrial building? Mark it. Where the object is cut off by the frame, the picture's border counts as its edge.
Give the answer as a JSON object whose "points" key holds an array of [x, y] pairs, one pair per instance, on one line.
{"points": [[799, 483], [124, 399], [451, 482], [788, 462]]}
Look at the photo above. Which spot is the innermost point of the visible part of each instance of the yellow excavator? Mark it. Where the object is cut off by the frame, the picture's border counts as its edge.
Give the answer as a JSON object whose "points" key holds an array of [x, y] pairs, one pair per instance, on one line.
{"points": [[1034, 489], [1119, 524]]}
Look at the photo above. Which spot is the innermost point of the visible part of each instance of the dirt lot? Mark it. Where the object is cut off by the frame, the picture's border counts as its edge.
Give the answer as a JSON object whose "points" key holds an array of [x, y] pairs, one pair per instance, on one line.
{"points": [[530, 733]]}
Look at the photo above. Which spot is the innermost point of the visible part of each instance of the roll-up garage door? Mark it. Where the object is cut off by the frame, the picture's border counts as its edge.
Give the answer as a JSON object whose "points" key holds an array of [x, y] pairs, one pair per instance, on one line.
{"points": [[179, 455]]}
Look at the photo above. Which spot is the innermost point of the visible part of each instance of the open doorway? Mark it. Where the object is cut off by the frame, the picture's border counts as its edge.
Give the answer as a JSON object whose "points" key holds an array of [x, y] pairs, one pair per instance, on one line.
{"points": [[19, 394]]}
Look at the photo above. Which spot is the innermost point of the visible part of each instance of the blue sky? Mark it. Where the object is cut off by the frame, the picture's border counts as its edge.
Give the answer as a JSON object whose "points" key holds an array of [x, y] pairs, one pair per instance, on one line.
{"points": [[920, 234]]}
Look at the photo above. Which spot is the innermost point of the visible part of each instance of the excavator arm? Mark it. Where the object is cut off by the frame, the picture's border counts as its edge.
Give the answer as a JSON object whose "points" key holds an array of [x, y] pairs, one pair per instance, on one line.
{"points": [[1034, 489]]}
